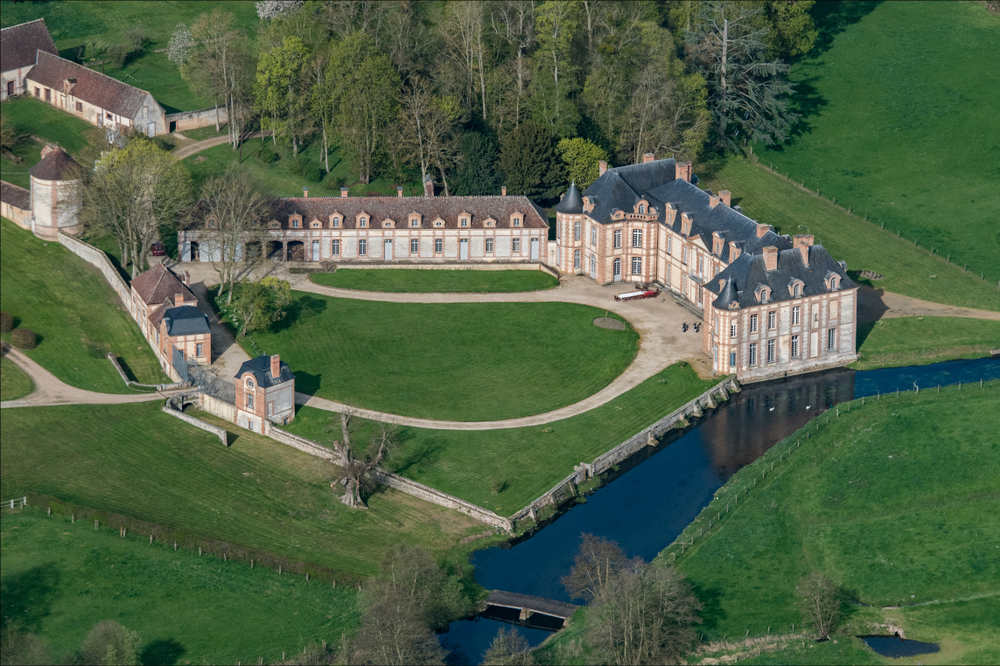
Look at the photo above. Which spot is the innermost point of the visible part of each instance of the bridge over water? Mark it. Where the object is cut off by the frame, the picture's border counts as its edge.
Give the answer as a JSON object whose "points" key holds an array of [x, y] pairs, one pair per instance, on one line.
{"points": [[529, 606]]}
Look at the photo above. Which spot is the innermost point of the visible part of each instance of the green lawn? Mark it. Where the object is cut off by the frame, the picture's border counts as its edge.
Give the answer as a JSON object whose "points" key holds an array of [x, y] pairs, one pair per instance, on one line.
{"points": [[922, 340], [531, 460], [430, 281], [78, 317], [892, 500], [901, 124], [154, 73], [912, 271], [137, 461], [457, 361], [33, 117], [14, 383], [59, 579], [29, 152]]}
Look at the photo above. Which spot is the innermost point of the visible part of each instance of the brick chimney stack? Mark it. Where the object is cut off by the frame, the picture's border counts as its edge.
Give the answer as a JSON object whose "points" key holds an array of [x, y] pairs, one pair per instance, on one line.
{"points": [[399, 191], [713, 200], [684, 171], [276, 366], [648, 157], [503, 190], [428, 186], [305, 192], [726, 197], [602, 166], [762, 229], [343, 193], [771, 258], [178, 300], [803, 242]]}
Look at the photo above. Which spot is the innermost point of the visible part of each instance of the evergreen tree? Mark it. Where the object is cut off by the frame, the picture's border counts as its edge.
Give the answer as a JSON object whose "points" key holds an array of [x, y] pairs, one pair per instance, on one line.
{"points": [[529, 163], [478, 173]]}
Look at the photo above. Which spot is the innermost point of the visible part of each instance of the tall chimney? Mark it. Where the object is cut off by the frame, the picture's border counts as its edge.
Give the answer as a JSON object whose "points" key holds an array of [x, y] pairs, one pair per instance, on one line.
{"points": [[771, 258], [343, 193], [503, 190], [399, 191], [178, 300], [726, 196], [428, 186], [803, 242], [684, 171], [648, 157], [305, 192], [687, 219], [762, 229], [713, 200], [602, 166], [276, 366]]}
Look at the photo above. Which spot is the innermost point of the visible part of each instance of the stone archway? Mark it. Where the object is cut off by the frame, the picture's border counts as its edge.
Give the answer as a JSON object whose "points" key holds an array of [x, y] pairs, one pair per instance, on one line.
{"points": [[296, 251], [275, 250]]}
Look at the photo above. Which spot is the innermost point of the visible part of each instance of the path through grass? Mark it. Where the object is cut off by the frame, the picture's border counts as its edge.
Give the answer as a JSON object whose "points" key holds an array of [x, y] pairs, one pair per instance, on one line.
{"points": [[431, 281], [922, 340]]}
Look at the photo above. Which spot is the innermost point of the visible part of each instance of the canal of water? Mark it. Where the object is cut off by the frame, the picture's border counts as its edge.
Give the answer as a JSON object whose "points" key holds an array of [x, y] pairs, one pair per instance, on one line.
{"points": [[646, 508]]}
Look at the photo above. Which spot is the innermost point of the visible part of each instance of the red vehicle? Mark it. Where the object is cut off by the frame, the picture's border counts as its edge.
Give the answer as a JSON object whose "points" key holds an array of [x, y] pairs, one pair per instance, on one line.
{"points": [[635, 295], [156, 249]]}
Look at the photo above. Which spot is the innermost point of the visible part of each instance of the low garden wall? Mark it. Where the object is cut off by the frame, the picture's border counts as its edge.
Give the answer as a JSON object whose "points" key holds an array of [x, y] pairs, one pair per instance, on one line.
{"points": [[303, 444], [194, 119], [170, 407], [453, 266], [433, 496]]}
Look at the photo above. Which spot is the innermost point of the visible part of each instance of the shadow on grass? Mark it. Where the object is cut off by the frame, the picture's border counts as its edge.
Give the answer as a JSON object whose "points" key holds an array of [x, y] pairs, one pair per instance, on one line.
{"points": [[166, 652], [126, 369], [26, 598], [302, 306], [833, 18], [712, 613], [306, 383], [807, 103], [412, 456], [864, 330]]}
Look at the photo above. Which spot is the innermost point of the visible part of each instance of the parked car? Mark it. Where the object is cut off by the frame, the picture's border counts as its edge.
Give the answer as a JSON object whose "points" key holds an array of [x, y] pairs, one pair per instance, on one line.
{"points": [[157, 250]]}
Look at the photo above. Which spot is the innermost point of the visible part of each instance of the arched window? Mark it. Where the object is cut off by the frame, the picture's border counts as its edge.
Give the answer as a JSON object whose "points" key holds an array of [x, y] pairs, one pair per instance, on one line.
{"points": [[335, 223], [797, 291], [642, 209], [249, 383], [362, 222]]}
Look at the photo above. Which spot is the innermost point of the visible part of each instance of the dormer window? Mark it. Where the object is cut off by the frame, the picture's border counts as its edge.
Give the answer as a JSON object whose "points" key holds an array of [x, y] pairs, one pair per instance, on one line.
{"points": [[294, 221], [315, 224], [490, 223], [414, 222], [274, 224], [465, 222], [439, 223], [642, 209], [362, 222], [335, 222], [388, 224], [517, 221], [210, 223], [763, 294]]}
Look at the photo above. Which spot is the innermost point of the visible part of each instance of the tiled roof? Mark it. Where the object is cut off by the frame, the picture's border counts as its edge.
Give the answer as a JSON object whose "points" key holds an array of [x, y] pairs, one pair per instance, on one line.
{"points": [[398, 209], [159, 284], [56, 165], [93, 87], [186, 320], [261, 369], [18, 197], [749, 272], [19, 44]]}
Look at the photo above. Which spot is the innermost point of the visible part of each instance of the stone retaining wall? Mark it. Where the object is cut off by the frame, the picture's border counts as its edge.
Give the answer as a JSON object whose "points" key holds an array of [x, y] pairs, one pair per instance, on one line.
{"points": [[303, 444], [217, 407], [433, 496], [171, 409], [130, 383], [194, 119]]}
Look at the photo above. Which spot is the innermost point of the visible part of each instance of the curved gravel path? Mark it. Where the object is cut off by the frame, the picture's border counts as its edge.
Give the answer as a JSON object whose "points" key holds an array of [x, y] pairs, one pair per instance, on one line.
{"points": [[198, 146]]}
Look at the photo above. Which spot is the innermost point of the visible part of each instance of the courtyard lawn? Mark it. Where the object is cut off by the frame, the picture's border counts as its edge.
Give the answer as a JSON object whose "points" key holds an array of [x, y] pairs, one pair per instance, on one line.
{"points": [[77, 316], [14, 383], [909, 270], [901, 124], [892, 500], [528, 461], [453, 361], [136, 461], [430, 281], [922, 340], [59, 579]]}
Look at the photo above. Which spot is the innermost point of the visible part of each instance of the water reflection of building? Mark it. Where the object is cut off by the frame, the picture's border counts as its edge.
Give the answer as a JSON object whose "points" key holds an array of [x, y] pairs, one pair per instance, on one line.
{"points": [[762, 415]]}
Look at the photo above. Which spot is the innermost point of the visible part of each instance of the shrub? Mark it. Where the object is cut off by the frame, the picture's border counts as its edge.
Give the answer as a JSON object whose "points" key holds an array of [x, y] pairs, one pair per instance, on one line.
{"points": [[23, 338], [268, 156], [6, 322], [166, 143], [117, 54]]}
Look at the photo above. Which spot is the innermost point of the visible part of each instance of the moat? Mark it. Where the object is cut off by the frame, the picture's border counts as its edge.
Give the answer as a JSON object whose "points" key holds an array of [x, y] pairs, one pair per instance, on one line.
{"points": [[665, 488]]}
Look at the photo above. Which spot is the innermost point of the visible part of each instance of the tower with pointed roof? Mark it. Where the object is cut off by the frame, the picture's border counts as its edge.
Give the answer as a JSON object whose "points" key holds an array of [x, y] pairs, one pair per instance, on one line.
{"points": [[55, 194]]}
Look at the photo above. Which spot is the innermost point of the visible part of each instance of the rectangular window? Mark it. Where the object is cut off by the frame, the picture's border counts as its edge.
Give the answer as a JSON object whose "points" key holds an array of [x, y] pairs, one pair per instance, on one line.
{"points": [[670, 245], [414, 222], [795, 346], [732, 330], [684, 256], [200, 350], [577, 230], [831, 340], [753, 323], [593, 267], [489, 245], [336, 223], [637, 238], [770, 351], [37, 92], [295, 224], [732, 358], [79, 107], [618, 239], [636, 266], [576, 259], [249, 400], [465, 221], [48, 97], [795, 316], [701, 296], [335, 247], [515, 245], [772, 320], [701, 265], [363, 222], [362, 247], [145, 110], [753, 353], [439, 245], [414, 246], [593, 235]]}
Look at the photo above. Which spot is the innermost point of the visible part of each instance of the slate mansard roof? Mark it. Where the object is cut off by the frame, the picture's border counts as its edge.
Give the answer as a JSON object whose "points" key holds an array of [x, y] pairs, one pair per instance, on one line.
{"points": [[261, 369], [93, 87], [19, 44], [398, 209], [621, 188], [158, 284], [186, 320], [739, 282]]}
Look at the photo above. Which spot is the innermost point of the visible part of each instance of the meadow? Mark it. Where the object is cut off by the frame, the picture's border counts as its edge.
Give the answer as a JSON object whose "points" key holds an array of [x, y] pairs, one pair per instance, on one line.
{"points": [[456, 361], [61, 578], [526, 461], [258, 494], [900, 123], [77, 316], [404, 280], [14, 383], [922, 340]]}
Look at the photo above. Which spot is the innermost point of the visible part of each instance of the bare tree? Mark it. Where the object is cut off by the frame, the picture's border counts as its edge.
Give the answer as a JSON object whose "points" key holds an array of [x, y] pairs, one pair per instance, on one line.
{"points": [[428, 130], [509, 648], [207, 67], [357, 466], [514, 21], [464, 47], [598, 562], [819, 600], [110, 643]]}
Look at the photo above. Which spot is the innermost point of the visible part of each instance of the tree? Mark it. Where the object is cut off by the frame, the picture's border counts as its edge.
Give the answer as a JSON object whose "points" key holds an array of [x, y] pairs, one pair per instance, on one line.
{"points": [[477, 172], [644, 614], [509, 648], [181, 43], [260, 304], [208, 65], [598, 562], [793, 31], [357, 466], [554, 82], [529, 163], [269, 9], [111, 644], [427, 129], [819, 600], [236, 209], [21, 649], [514, 21], [581, 157], [278, 78], [131, 193], [746, 92]]}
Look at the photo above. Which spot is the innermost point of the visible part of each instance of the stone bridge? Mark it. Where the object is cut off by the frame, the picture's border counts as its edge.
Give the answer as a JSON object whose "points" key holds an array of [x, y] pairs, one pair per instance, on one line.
{"points": [[529, 605]]}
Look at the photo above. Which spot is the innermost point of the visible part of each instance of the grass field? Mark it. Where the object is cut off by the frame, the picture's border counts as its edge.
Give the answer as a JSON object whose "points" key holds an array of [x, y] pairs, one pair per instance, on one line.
{"points": [[891, 500], [137, 461], [460, 361], [154, 73], [59, 579], [922, 340], [771, 199], [79, 319], [33, 117], [529, 461], [430, 281], [901, 124], [14, 383]]}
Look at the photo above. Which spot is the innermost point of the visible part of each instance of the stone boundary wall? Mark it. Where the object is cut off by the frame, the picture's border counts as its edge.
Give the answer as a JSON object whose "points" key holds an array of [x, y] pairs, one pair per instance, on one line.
{"points": [[195, 119], [433, 496], [130, 383], [217, 407], [303, 444], [455, 266], [169, 408], [566, 488], [21, 218]]}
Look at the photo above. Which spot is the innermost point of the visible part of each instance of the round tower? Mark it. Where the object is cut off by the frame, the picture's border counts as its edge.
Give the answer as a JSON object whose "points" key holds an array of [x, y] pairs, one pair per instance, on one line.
{"points": [[55, 194], [569, 224]]}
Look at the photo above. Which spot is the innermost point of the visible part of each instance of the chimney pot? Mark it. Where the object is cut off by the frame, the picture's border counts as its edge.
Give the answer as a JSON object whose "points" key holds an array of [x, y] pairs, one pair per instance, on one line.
{"points": [[713, 200], [648, 157], [428, 186], [343, 193], [602, 166], [276, 366], [771, 258], [399, 191], [503, 191], [305, 192], [684, 171], [726, 197]]}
